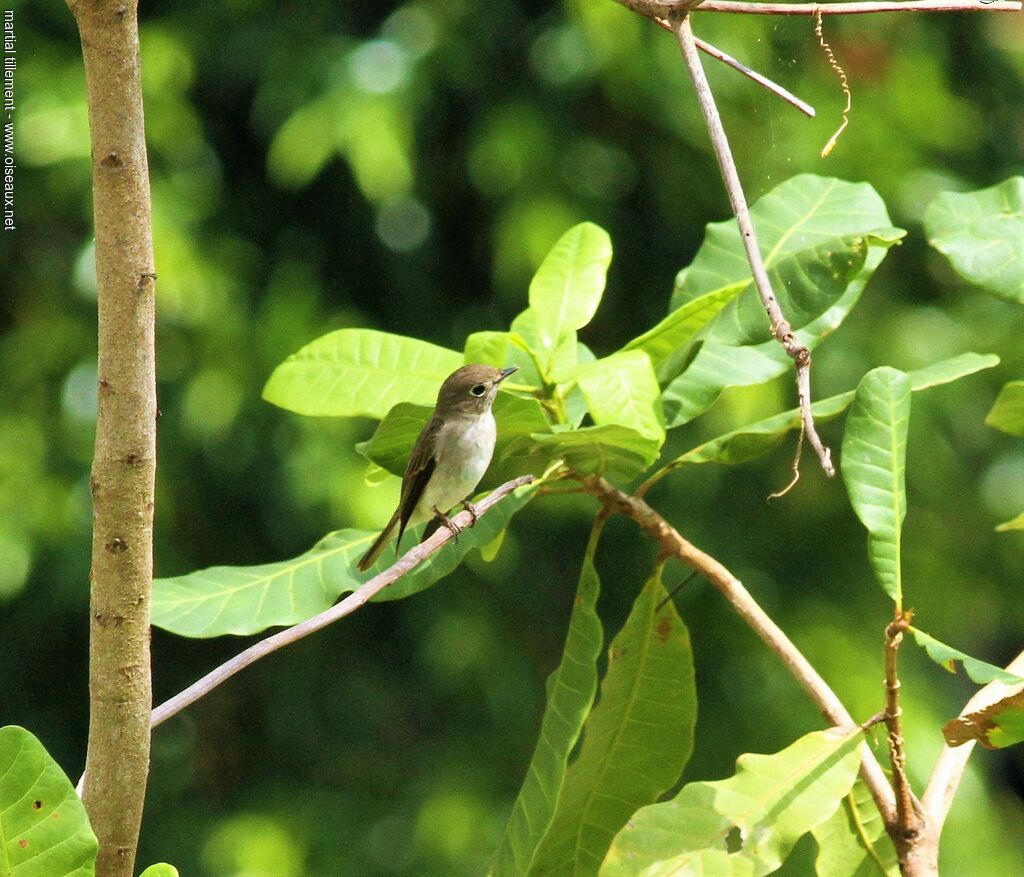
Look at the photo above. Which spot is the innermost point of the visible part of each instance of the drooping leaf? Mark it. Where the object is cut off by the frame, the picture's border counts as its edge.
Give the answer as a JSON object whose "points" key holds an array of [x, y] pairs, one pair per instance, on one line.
{"points": [[567, 288], [809, 228], [996, 726], [982, 234], [1007, 413], [636, 741], [622, 389], [44, 831], [391, 443], [617, 452], [249, 599], [571, 689], [679, 328], [752, 440], [360, 372], [946, 657], [853, 841], [873, 464], [772, 800]]}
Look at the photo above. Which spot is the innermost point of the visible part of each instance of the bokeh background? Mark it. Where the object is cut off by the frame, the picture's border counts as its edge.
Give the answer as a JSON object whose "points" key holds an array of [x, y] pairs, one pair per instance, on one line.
{"points": [[406, 166]]}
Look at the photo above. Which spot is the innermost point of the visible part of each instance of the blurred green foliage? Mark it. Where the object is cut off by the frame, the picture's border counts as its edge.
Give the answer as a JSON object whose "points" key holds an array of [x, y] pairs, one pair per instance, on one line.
{"points": [[406, 166]]}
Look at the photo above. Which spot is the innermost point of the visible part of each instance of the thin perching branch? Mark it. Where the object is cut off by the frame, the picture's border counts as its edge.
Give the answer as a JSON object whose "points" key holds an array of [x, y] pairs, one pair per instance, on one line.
{"points": [[674, 545], [780, 327], [350, 604], [662, 8]]}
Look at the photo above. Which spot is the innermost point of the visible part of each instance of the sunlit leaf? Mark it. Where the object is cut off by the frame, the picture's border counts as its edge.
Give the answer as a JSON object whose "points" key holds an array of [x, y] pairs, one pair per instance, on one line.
{"points": [[1007, 413], [996, 726], [1016, 523], [160, 870], [538, 363], [623, 389], [822, 239], [360, 372], [616, 452], [982, 234], [873, 464], [946, 657], [571, 690], [752, 440], [489, 348], [44, 831], [772, 800], [853, 841], [635, 742], [567, 288], [248, 599]]}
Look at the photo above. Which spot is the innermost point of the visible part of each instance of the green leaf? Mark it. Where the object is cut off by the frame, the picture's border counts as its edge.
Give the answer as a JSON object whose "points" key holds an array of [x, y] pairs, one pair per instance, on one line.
{"points": [[874, 465], [44, 831], [946, 657], [360, 372], [249, 599], [1016, 523], [571, 690], [772, 800], [997, 726], [160, 870], [542, 365], [616, 452], [489, 348], [567, 288], [1007, 413], [623, 389], [391, 443], [636, 741], [982, 234], [682, 326], [752, 440], [821, 239], [853, 841]]}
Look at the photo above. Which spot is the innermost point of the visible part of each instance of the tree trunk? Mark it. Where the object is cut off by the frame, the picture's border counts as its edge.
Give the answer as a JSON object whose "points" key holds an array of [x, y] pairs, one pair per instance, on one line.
{"points": [[124, 464]]}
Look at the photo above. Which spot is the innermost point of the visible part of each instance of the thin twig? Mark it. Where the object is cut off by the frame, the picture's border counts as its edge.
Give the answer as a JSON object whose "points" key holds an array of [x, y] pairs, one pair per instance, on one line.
{"points": [[843, 82], [780, 327], [673, 544], [353, 601], [952, 761], [662, 8], [908, 822]]}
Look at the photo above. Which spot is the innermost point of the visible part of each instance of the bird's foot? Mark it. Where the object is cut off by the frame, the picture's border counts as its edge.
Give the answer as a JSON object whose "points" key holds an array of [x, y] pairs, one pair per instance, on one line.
{"points": [[453, 528], [469, 507]]}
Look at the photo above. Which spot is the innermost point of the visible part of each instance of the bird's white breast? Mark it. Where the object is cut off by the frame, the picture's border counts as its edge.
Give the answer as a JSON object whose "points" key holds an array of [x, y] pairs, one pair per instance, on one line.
{"points": [[463, 451]]}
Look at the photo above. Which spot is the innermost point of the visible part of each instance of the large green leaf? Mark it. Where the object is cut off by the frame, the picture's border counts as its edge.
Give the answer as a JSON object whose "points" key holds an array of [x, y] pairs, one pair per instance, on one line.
{"points": [[946, 657], [636, 741], [44, 831], [772, 801], [567, 288], [996, 726], [248, 599], [874, 465], [571, 690], [673, 334], [616, 452], [623, 389], [821, 239], [853, 841], [392, 441], [1007, 413], [752, 440], [160, 870], [360, 372], [982, 234]]}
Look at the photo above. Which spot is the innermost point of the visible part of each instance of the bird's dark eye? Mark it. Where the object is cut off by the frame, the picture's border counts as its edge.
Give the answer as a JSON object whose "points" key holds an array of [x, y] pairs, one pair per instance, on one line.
{"points": [[478, 390]]}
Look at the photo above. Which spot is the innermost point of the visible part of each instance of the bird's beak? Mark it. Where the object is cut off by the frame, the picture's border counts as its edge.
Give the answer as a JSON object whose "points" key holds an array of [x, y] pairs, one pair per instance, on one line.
{"points": [[505, 372]]}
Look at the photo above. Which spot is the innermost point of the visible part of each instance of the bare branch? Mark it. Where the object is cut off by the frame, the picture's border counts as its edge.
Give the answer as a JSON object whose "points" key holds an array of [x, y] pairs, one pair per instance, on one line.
{"points": [[674, 545], [781, 329], [662, 8], [952, 761], [409, 561]]}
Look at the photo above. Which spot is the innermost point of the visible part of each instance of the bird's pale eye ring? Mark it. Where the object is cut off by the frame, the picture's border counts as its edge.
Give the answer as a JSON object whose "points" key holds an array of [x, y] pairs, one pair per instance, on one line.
{"points": [[478, 390]]}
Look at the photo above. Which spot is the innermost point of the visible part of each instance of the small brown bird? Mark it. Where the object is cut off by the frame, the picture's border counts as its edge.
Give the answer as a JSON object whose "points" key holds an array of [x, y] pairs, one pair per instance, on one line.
{"points": [[450, 456]]}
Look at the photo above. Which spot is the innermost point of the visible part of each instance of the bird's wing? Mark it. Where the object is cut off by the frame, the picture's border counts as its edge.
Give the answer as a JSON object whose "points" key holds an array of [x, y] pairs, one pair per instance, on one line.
{"points": [[418, 471]]}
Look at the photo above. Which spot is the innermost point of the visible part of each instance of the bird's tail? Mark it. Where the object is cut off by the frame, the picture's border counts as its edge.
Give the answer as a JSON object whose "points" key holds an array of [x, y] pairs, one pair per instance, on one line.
{"points": [[379, 544]]}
